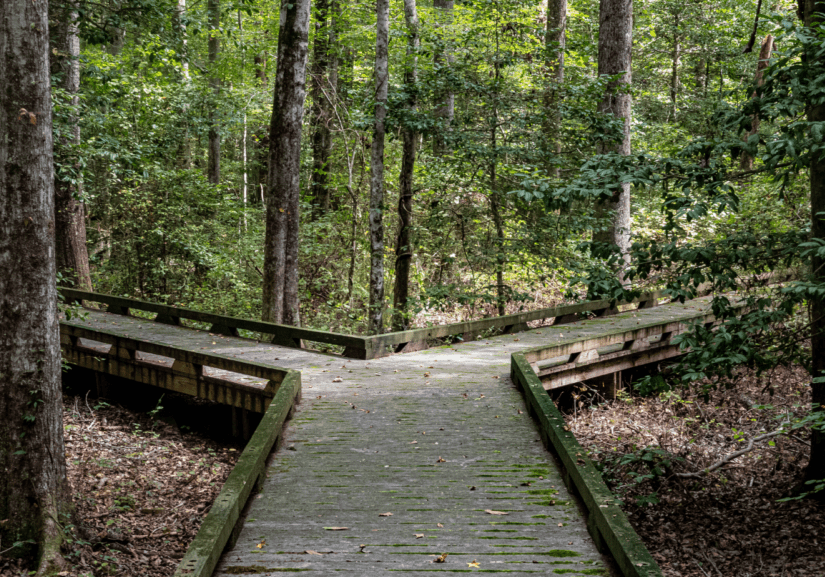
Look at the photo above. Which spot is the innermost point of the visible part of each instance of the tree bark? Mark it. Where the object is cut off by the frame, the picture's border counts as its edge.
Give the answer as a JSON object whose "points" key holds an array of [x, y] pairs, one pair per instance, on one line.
{"points": [[214, 163], [321, 93], [71, 253], [376, 214], [555, 40], [280, 290], [403, 245], [812, 15], [34, 495], [446, 108], [674, 71], [615, 45], [746, 161]]}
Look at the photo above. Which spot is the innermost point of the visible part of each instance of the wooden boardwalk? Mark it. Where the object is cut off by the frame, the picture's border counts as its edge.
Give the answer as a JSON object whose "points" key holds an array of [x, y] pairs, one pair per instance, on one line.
{"points": [[391, 463]]}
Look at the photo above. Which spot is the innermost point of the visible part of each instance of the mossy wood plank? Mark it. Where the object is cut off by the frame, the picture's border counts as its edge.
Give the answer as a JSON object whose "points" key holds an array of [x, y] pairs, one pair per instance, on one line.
{"points": [[217, 529], [604, 513]]}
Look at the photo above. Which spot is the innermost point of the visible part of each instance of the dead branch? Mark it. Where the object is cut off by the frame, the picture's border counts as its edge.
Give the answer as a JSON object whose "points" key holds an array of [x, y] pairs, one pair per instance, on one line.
{"points": [[727, 459]]}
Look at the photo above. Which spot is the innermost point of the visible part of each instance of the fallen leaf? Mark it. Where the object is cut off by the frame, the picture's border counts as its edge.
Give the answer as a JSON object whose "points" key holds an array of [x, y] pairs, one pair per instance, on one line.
{"points": [[426, 374], [442, 558], [311, 552], [440, 525], [336, 528], [385, 514], [561, 524], [440, 460], [419, 535], [337, 380], [474, 564], [261, 544], [491, 512], [414, 443]]}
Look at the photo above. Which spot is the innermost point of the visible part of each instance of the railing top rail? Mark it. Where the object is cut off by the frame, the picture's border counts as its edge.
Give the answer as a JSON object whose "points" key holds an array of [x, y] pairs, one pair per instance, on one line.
{"points": [[234, 322], [249, 368]]}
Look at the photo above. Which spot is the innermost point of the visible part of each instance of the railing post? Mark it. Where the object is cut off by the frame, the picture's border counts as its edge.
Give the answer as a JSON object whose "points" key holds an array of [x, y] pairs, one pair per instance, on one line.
{"points": [[167, 319]]}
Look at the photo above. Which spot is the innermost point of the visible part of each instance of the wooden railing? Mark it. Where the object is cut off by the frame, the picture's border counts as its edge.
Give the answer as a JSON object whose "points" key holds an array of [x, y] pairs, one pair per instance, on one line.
{"points": [[370, 347], [359, 347]]}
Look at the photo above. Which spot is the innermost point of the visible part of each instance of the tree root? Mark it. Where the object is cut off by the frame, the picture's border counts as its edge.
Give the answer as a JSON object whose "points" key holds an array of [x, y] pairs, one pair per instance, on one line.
{"points": [[51, 538]]}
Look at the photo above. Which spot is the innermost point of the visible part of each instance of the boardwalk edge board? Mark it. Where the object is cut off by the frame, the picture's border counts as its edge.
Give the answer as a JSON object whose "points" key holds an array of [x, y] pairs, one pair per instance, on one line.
{"points": [[606, 522], [220, 527]]}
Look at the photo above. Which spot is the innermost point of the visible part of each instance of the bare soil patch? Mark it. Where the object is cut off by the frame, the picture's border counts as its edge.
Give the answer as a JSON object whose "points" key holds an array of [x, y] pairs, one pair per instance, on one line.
{"points": [[140, 488], [729, 522]]}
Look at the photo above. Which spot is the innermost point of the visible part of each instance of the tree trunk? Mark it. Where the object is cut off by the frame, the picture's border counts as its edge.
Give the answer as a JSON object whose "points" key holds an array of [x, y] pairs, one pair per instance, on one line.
{"points": [[34, 494], [812, 14], [280, 291], [214, 163], [376, 215], [71, 254], [446, 108], [554, 43], [615, 44], [403, 246], [321, 93], [746, 161], [674, 71]]}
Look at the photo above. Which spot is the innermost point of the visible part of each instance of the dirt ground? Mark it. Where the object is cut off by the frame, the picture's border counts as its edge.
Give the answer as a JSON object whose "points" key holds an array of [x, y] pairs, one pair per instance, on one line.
{"points": [[727, 523], [140, 490]]}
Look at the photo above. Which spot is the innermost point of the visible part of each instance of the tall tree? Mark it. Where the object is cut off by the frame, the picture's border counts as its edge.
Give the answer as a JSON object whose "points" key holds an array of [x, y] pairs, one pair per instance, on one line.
{"points": [[403, 245], [812, 13], [322, 93], [70, 224], [376, 214], [554, 43], [746, 160], [446, 107], [615, 44], [34, 493], [214, 161], [280, 291]]}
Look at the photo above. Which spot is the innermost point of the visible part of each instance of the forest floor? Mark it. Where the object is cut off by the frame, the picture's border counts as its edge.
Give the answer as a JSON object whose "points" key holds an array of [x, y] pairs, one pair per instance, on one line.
{"points": [[730, 522], [140, 490]]}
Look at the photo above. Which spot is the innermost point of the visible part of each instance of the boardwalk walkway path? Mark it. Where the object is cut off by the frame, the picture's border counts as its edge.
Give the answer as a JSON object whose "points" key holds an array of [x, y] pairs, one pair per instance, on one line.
{"points": [[416, 455]]}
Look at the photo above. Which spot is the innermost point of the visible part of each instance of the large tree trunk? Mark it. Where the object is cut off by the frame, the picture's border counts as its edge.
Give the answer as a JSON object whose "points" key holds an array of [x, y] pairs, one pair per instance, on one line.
{"points": [[446, 107], [214, 163], [70, 224], [403, 246], [615, 44], [812, 14], [280, 291], [746, 161], [34, 495], [554, 44], [322, 94], [376, 310]]}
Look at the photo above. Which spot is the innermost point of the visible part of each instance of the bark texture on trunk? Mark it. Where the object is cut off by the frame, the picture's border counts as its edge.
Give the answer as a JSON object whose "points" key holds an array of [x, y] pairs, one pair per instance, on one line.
{"points": [[376, 216], [615, 45], [446, 108], [812, 14], [322, 92], [676, 60], [555, 40], [280, 291], [403, 245], [71, 254], [33, 489], [214, 163], [746, 161]]}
